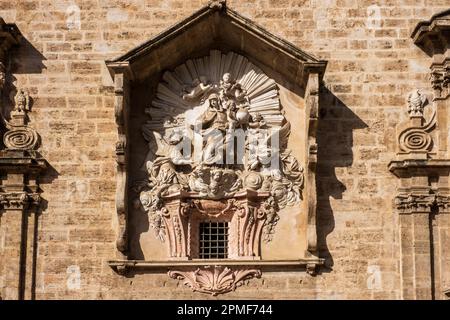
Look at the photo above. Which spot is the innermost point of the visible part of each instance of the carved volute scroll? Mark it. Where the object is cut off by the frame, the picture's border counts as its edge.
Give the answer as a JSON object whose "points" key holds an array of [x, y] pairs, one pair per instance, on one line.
{"points": [[219, 149]]}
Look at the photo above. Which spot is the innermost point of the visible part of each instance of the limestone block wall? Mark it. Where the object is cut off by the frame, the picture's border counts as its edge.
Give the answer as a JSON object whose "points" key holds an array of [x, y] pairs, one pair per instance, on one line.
{"points": [[372, 66]]}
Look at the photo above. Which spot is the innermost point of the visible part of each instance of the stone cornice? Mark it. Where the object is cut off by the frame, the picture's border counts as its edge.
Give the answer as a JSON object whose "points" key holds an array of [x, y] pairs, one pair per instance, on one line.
{"points": [[22, 162], [405, 168], [310, 265], [429, 32], [411, 202]]}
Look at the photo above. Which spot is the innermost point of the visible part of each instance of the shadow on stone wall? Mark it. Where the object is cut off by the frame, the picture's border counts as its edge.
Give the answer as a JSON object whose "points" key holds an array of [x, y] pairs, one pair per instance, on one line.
{"points": [[27, 59], [24, 59], [335, 143]]}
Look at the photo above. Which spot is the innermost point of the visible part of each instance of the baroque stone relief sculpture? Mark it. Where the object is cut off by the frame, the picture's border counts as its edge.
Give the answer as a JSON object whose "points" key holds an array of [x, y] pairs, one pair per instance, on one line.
{"points": [[217, 129], [217, 150]]}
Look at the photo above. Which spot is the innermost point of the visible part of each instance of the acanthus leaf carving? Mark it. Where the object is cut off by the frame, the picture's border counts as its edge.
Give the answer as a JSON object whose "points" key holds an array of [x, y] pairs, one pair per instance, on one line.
{"points": [[215, 280]]}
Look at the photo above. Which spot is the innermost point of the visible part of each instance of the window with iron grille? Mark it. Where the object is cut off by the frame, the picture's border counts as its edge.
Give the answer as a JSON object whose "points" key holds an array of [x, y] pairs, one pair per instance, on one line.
{"points": [[213, 240]]}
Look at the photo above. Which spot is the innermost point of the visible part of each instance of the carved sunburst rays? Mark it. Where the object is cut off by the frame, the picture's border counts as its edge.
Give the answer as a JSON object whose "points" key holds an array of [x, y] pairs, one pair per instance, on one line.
{"points": [[169, 104]]}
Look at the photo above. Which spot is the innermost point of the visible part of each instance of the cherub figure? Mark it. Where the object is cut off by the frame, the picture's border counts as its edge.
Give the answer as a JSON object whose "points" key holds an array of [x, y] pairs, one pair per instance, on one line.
{"points": [[198, 88], [258, 147], [197, 181], [257, 121], [231, 114], [227, 83], [240, 94], [215, 183]]}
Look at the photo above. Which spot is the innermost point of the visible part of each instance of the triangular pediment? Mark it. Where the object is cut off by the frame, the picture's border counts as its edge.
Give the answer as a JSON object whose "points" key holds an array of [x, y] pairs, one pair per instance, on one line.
{"points": [[216, 26]]}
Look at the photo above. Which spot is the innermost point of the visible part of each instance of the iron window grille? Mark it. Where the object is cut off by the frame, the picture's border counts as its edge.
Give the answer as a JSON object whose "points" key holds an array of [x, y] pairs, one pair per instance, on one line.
{"points": [[213, 240]]}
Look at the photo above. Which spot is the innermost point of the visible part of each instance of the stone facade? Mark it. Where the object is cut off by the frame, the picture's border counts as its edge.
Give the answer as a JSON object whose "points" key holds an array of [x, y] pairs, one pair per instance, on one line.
{"points": [[374, 71]]}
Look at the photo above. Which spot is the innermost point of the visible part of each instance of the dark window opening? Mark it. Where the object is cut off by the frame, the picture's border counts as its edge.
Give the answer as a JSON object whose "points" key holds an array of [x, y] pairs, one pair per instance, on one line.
{"points": [[213, 240]]}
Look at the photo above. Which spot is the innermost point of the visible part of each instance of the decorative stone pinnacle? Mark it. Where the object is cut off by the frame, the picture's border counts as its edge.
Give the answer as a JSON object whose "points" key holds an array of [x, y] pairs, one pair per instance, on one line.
{"points": [[217, 4], [22, 101], [416, 103]]}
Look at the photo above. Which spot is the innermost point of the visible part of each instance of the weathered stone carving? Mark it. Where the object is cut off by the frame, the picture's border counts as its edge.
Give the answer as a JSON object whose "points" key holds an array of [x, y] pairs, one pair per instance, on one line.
{"points": [[413, 202], [22, 101], [416, 138], [19, 136], [215, 280], [177, 221], [416, 103], [270, 210], [415, 135], [217, 4], [228, 112], [18, 200]]}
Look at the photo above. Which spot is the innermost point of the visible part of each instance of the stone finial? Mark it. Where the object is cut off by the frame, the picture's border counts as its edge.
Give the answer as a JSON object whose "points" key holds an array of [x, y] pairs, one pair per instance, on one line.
{"points": [[416, 103], [19, 136], [217, 4], [22, 101]]}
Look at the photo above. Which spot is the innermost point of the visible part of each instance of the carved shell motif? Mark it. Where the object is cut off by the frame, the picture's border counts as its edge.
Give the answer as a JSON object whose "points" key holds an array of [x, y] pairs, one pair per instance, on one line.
{"points": [[215, 280], [171, 106]]}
